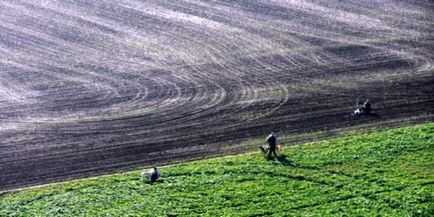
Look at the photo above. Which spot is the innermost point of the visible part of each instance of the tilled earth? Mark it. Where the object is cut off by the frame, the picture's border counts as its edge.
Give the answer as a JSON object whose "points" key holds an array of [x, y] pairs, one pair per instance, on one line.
{"points": [[93, 87]]}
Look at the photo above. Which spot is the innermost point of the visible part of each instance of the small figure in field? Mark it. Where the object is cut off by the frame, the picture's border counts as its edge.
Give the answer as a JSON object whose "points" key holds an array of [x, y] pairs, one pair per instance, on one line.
{"points": [[367, 106], [272, 142], [152, 175], [264, 149], [155, 175], [365, 109]]}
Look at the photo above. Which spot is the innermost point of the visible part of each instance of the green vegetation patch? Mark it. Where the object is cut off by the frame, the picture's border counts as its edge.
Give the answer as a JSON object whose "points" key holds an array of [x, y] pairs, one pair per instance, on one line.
{"points": [[386, 173]]}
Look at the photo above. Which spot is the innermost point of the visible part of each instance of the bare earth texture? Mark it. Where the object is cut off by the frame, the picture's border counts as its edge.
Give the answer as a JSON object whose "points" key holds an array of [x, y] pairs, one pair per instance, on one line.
{"points": [[92, 87]]}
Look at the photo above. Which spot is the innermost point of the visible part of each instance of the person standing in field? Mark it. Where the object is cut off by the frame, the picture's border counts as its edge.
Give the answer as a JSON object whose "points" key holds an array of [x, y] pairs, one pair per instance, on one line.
{"points": [[272, 142]]}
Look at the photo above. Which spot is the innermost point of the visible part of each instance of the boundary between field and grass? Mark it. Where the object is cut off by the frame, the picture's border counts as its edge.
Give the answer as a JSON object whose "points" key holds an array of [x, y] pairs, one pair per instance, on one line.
{"points": [[252, 144], [385, 172]]}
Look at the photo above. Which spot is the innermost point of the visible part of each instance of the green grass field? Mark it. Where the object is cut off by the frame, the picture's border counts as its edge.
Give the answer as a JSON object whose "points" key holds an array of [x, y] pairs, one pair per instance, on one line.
{"points": [[386, 173]]}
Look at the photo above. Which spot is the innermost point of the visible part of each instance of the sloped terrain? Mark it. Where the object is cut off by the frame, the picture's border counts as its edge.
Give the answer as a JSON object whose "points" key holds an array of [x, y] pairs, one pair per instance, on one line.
{"points": [[91, 87], [386, 173]]}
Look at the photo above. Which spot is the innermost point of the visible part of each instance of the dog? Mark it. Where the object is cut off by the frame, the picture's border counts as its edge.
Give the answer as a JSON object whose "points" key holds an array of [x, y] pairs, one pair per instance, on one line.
{"points": [[279, 148], [265, 148]]}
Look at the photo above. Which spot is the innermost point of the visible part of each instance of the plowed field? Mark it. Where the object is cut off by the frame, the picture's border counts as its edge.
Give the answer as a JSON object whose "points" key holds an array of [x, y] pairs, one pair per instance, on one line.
{"points": [[92, 87]]}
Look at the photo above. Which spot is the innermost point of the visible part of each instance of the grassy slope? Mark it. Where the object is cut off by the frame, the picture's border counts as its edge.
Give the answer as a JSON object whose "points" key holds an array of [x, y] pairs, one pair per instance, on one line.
{"points": [[387, 173]]}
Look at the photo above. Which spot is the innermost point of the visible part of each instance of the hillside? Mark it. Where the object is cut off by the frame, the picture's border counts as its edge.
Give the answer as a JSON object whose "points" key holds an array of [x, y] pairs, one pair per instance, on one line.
{"points": [[100, 86], [384, 173]]}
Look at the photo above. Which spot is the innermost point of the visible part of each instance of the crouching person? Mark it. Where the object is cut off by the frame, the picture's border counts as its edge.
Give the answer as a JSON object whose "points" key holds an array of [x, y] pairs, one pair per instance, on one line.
{"points": [[152, 175], [155, 175]]}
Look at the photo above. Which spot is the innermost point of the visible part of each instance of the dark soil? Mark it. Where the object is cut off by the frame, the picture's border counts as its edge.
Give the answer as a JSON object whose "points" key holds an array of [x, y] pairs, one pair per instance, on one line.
{"points": [[94, 87]]}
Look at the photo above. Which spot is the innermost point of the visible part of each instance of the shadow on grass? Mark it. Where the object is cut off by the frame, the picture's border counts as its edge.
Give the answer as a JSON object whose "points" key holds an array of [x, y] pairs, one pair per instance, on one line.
{"points": [[283, 159]]}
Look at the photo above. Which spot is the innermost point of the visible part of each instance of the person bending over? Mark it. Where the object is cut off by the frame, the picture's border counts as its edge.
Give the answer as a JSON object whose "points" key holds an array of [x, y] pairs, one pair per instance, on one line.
{"points": [[367, 107], [155, 175]]}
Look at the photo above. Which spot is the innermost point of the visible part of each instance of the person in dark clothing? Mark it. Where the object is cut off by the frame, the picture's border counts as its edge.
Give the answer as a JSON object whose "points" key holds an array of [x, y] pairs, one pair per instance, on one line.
{"points": [[272, 142], [367, 107], [155, 175]]}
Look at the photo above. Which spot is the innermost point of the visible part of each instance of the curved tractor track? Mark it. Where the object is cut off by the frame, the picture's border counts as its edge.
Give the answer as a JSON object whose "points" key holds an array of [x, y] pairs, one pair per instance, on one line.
{"points": [[91, 87]]}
